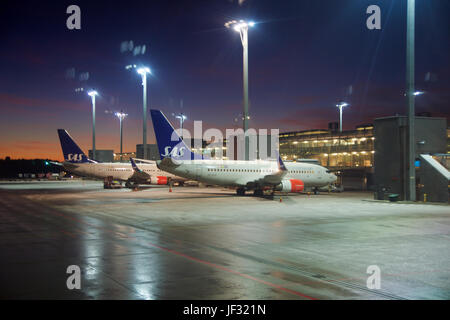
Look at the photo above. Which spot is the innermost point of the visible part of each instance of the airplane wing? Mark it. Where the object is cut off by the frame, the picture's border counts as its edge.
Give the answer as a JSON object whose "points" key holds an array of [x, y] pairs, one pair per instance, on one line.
{"points": [[278, 176], [138, 174], [144, 161], [166, 163], [270, 179]]}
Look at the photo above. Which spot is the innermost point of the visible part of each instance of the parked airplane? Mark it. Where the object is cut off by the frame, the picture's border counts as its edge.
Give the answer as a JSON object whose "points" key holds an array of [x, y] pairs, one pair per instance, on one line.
{"points": [[143, 176], [76, 162], [257, 175]]}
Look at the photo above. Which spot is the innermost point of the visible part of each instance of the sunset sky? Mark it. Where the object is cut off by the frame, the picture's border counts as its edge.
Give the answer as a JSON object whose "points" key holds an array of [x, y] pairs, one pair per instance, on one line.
{"points": [[304, 56]]}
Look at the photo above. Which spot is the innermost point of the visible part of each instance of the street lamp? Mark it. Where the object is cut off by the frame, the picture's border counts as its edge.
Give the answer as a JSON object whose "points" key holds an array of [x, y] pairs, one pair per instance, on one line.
{"points": [[93, 94], [182, 117], [341, 105], [416, 93], [143, 72], [410, 25], [121, 115], [241, 26]]}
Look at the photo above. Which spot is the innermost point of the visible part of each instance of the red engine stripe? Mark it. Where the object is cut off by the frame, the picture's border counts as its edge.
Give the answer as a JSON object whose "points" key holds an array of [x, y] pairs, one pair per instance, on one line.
{"points": [[297, 185], [161, 180]]}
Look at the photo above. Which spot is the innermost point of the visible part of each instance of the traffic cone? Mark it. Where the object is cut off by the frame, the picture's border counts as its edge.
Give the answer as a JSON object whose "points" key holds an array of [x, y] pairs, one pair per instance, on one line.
{"points": [[170, 188]]}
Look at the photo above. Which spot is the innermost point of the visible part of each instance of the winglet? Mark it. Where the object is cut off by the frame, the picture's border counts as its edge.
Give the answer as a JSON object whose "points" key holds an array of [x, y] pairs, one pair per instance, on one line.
{"points": [[281, 165], [134, 166]]}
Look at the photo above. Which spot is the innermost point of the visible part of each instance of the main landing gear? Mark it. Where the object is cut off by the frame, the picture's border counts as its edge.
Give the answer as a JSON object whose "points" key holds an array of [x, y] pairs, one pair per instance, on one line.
{"points": [[256, 192]]}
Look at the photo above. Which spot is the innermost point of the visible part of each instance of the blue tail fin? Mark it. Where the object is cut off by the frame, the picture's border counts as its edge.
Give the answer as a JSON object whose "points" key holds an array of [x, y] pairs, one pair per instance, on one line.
{"points": [[72, 152], [134, 166], [170, 144]]}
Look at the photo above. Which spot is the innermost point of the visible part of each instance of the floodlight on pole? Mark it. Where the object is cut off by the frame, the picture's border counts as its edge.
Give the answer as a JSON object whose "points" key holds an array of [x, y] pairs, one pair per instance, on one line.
{"points": [[410, 177], [93, 94], [143, 71], [341, 105], [416, 93], [121, 115], [242, 26]]}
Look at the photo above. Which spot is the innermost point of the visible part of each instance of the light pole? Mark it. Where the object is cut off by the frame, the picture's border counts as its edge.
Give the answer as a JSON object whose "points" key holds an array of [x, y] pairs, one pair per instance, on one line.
{"points": [[93, 94], [143, 72], [411, 181], [341, 105], [121, 115], [241, 26]]}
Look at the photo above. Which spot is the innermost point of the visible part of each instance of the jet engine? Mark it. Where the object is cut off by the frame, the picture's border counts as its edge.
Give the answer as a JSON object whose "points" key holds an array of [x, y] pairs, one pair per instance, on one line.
{"points": [[159, 180], [291, 185]]}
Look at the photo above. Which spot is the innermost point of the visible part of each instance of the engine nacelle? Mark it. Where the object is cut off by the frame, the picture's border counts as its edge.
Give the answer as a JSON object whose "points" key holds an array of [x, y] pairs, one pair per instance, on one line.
{"points": [[159, 180], [291, 185]]}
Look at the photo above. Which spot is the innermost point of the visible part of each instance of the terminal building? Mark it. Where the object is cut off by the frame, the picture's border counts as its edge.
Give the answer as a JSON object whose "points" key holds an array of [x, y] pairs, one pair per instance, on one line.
{"points": [[336, 150], [124, 157], [102, 155], [373, 157], [350, 153], [152, 152]]}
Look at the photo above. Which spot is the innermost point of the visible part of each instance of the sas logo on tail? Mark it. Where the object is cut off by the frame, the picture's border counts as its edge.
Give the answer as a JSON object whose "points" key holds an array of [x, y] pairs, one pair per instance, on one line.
{"points": [[74, 157], [174, 153]]}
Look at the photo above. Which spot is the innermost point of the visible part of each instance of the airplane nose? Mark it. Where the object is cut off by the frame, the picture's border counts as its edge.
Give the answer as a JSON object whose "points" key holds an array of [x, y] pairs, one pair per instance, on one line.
{"points": [[333, 177]]}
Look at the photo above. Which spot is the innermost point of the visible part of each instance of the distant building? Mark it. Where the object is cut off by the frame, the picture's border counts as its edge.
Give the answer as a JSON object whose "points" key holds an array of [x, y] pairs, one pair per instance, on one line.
{"points": [[102, 155], [348, 153], [152, 152], [124, 157], [333, 149]]}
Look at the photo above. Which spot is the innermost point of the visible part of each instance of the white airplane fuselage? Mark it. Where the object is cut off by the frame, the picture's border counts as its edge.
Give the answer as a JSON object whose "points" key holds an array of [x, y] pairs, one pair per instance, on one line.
{"points": [[119, 171], [247, 173]]}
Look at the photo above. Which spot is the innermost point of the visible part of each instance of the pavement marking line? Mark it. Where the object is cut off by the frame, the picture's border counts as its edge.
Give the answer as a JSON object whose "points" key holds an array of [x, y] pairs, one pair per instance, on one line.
{"points": [[234, 272]]}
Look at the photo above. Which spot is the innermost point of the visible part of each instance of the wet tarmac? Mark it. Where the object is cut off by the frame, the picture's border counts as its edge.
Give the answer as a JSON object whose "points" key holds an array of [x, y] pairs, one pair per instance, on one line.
{"points": [[207, 243]]}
